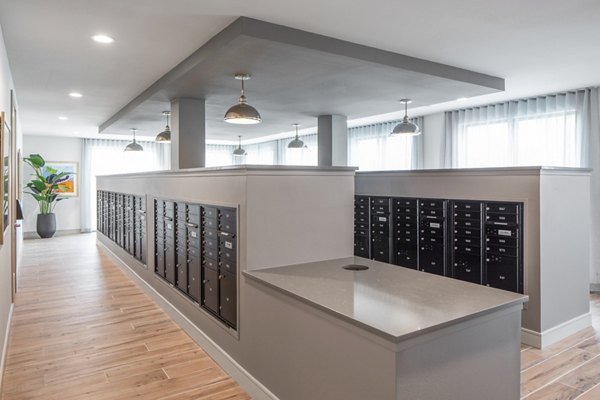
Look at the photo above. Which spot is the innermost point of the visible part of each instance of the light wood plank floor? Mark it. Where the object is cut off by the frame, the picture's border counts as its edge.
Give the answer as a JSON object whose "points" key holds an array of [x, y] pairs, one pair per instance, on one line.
{"points": [[569, 369], [82, 329]]}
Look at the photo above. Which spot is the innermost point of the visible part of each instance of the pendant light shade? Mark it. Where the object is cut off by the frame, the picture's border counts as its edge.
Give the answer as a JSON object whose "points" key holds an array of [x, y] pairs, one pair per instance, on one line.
{"points": [[134, 146], [242, 113], [405, 127], [239, 152], [296, 143], [165, 136]]}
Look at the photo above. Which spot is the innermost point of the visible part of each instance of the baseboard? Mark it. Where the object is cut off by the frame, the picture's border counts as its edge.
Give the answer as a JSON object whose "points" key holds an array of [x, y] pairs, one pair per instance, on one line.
{"points": [[556, 333], [64, 232], [249, 383], [5, 346]]}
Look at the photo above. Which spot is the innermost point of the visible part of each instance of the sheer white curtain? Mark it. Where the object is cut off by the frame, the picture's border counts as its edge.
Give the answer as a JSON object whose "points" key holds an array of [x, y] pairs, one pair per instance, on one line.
{"points": [[265, 153], [276, 152], [546, 130], [308, 155], [371, 147], [219, 155], [106, 157]]}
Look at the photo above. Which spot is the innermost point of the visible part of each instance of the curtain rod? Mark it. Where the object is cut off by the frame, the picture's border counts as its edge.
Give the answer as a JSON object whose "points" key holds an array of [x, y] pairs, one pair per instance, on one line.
{"points": [[553, 94]]}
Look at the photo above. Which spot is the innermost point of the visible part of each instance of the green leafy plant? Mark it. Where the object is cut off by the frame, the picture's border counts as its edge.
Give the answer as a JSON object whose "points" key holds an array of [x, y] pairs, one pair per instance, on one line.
{"points": [[44, 187]]}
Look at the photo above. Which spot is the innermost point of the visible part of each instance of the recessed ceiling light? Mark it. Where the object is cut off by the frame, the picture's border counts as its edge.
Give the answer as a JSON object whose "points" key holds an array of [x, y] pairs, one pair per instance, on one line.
{"points": [[75, 94], [462, 99], [63, 118], [103, 39]]}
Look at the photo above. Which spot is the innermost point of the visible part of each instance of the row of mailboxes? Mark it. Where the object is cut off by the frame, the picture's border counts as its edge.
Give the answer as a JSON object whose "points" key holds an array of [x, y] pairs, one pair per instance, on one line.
{"points": [[196, 252], [362, 226], [122, 218], [471, 240]]}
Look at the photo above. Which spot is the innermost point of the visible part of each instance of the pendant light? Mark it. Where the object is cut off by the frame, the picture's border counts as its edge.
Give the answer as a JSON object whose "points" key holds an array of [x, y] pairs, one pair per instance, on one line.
{"points": [[165, 136], [296, 143], [134, 146], [242, 113], [239, 152], [406, 128]]}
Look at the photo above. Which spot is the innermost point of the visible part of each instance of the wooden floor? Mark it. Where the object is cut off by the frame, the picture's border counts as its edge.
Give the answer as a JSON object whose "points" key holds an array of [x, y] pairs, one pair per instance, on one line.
{"points": [[569, 369], [81, 329]]}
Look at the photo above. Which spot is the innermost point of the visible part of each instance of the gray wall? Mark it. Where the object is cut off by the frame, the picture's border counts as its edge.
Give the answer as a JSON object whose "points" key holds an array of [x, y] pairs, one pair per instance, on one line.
{"points": [[286, 216], [6, 84]]}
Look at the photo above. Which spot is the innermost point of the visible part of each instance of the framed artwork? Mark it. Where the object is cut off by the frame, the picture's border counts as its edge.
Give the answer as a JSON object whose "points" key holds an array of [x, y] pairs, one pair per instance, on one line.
{"points": [[5, 136], [18, 165], [69, 187]]}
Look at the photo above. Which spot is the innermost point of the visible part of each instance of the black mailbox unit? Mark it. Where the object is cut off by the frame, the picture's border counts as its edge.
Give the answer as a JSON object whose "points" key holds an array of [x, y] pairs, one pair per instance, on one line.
{"points": [[361, 226], [164, 265], [227, 229], [122, 218], [140, 229], [381, 228], [466, 248], [472, 240], [504, 245], [406, 232], [432, 240], [204, 255]]}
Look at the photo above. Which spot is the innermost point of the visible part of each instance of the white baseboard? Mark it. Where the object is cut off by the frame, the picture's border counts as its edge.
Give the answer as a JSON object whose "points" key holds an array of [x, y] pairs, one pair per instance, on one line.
{"points": [[249, 383], [556, 333], [5, 346]]}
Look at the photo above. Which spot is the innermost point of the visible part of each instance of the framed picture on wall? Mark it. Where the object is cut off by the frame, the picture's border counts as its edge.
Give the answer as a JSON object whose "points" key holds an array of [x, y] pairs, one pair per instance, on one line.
{"points": [[5, 137], [70, 186], [18, 165]]}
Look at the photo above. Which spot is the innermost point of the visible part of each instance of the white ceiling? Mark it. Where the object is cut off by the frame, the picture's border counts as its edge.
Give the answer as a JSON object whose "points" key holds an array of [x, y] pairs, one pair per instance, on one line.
{"points": [[537, 46]]}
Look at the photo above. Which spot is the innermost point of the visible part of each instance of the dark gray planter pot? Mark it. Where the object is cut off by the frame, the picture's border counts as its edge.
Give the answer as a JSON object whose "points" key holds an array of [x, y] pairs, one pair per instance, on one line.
{"points": [[46, 225]]}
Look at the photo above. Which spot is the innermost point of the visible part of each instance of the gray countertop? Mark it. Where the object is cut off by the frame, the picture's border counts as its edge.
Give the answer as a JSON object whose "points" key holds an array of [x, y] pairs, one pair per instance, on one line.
{"points": [[393, 302]]}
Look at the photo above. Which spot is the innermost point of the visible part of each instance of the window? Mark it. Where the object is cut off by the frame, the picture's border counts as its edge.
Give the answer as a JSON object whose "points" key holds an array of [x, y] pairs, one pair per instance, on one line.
{"points": [[371, 147], [219, 155], [106, 157], [545, 139], [544, 131]]}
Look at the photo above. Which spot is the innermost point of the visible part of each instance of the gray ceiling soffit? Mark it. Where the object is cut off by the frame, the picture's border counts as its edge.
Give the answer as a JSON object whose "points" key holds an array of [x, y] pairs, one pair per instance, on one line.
{"points": [[249, 27]]}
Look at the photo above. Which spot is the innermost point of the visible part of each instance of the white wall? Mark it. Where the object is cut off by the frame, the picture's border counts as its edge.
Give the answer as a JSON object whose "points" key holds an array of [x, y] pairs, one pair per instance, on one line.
{"points": [[433, 141], [6, 84], [52, 148]]}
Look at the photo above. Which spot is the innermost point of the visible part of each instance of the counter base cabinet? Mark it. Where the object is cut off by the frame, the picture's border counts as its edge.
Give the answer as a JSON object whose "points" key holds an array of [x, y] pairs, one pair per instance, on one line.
{"points": [[421, 365], [196, 253], [472, 240], [122, 218]]}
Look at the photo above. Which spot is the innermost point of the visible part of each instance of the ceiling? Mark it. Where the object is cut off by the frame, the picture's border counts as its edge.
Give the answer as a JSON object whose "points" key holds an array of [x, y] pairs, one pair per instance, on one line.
{"points": [[297, 77], [538, 47]]}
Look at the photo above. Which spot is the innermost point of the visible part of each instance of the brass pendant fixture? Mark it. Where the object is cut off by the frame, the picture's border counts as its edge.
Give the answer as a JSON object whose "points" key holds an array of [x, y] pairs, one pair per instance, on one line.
{"points": [[242, 113], [134, 146], [165, 136], [405, 127], [297, 143]]}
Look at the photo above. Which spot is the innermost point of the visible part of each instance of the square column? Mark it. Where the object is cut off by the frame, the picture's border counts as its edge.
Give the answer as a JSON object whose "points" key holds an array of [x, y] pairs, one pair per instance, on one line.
{"points": [[188, 133], [333, 140]]}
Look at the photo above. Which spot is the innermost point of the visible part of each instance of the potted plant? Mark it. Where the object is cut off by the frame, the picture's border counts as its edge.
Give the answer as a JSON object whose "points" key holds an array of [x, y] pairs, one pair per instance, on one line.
{"points": [[45, 189]]}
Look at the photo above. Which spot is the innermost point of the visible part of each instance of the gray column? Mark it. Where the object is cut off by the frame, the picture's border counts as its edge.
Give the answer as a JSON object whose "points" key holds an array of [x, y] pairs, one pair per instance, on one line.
{"points": [[333, 140], [188, 133]]}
